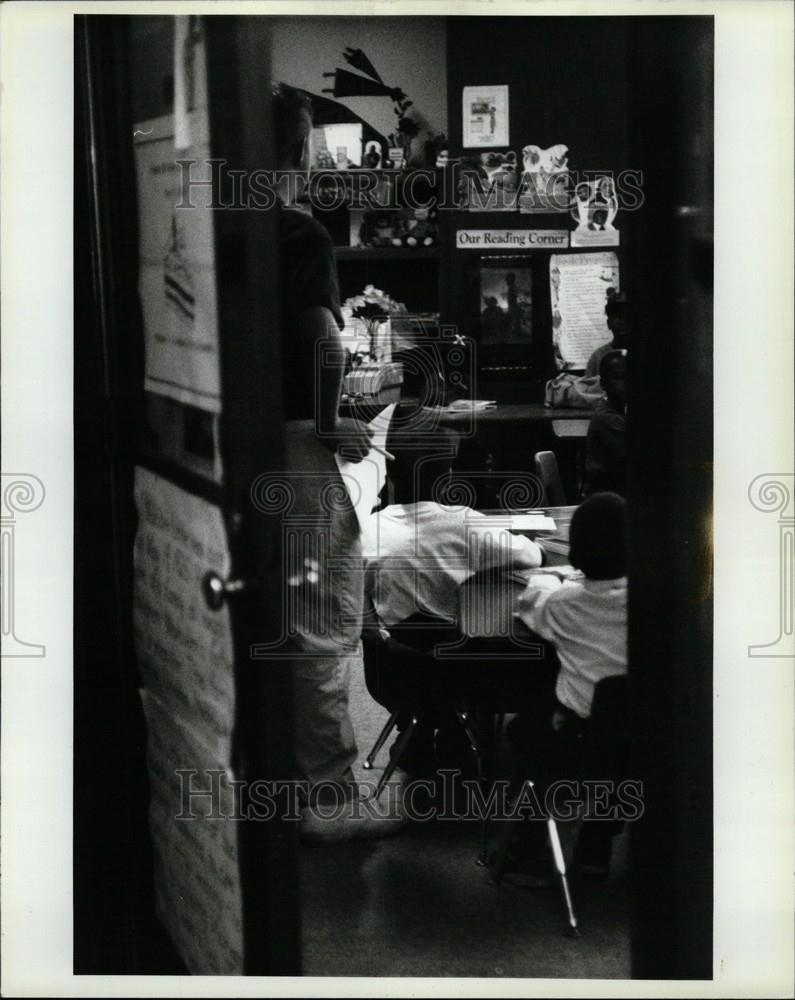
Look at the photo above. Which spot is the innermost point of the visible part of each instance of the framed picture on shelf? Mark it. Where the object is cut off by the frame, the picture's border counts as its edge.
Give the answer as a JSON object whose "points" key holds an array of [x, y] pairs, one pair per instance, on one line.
{"points": [[337, 147]]}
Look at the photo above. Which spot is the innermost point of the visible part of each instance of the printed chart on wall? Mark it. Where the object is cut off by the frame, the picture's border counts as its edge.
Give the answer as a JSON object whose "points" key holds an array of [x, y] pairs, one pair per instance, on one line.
{"points": [[177, 265], [185, 654], [579, 286], [485, 121]]}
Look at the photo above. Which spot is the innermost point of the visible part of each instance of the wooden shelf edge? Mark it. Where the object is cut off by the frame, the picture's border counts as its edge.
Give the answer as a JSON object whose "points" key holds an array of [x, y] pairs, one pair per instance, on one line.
{"points": [[387, 253]]}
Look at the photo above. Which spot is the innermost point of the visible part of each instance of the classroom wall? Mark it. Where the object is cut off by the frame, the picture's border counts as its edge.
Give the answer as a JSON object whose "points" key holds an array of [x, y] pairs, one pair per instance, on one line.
{"points": [[567, 78], [407, 52]]}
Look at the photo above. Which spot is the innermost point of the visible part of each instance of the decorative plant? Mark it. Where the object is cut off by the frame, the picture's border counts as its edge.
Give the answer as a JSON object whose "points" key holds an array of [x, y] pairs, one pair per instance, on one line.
{"points": [[368, 83], [373, 306], [407, 129]]}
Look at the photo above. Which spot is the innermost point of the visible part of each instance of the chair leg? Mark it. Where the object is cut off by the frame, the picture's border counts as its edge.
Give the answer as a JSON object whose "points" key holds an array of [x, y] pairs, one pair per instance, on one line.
{"points": [[382, 738], [497, 721], [476, 752], [463, 718], [560, 864], [400, 746], [505, 841]]}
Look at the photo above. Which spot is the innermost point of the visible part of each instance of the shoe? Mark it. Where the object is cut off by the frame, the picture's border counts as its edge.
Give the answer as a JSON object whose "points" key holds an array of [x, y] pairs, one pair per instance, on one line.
{"points": [[356, 819]]}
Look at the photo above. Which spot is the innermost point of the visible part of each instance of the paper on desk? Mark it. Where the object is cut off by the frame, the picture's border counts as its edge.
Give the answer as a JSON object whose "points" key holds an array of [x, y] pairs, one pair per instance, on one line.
{"points": [[531, 522], [364, 480], [469, 405]]}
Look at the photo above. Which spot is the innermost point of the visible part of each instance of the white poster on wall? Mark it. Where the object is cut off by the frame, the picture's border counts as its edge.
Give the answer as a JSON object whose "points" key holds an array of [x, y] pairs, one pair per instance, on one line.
{"points": [[177, 283], [485, 116], [185, 655], [579, 285]]}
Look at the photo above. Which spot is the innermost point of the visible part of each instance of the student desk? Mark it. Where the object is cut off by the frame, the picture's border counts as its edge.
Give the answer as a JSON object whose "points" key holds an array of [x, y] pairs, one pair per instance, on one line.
{"points": [[505, 439], [565, 422], [487, 602]]}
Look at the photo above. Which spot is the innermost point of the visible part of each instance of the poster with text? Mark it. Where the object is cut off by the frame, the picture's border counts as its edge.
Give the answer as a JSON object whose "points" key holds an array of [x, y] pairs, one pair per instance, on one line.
{"points": [[579, 286], [177, 283], [485, 116]]}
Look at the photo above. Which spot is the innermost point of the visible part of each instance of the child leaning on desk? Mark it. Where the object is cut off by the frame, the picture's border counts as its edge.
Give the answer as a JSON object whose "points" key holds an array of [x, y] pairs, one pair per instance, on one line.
{"points": [[585, 619]]}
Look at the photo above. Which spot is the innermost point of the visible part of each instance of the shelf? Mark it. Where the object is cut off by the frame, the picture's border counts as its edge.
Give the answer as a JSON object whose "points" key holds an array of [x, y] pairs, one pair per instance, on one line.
{"points": [[387, 253]]}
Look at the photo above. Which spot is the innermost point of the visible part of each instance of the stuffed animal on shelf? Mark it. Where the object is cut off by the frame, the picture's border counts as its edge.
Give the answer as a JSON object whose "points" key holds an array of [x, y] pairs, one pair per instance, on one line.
{"points": [[378, 229], [416, 228]]}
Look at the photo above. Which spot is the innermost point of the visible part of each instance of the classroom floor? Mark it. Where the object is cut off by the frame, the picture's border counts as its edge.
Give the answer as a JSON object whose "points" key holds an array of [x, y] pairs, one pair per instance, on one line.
{"points": [[417, 904]]}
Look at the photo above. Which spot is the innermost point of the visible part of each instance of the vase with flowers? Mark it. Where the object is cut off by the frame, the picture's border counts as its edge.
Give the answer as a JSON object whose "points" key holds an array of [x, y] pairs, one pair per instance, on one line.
{"points": [[370, 313]]}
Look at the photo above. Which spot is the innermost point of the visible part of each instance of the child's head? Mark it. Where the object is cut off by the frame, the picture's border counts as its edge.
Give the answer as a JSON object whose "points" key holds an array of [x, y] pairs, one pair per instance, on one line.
{"points": [[598, 537], [613, 376], [291, 110], [616, 318]]}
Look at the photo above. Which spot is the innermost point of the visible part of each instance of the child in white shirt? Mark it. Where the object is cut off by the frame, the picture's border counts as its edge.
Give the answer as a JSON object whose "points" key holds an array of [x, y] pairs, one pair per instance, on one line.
{"points": [[586, 621]]}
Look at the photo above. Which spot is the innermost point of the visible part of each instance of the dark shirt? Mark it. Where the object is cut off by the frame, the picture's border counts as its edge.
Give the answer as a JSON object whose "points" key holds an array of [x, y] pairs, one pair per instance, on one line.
{"points": [[606, 450], [307, 277]]}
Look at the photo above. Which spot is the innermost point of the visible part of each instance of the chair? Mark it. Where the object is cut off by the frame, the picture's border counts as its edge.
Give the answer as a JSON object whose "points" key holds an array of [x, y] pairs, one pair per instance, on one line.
{"points": [[402, 675], [547, 471], [406, 679], [603, 756]]}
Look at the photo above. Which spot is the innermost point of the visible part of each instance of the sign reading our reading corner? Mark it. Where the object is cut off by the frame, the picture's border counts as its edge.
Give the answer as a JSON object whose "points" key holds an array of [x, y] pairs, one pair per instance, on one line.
{"points": [[511, 239]]}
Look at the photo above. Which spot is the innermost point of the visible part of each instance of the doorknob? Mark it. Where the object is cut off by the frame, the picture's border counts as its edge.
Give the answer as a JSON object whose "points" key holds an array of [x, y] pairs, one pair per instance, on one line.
{"points": [[216, 590]]}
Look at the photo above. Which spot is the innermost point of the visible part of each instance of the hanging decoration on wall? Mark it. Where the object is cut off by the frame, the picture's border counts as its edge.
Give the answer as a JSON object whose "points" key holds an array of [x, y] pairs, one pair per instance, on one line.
{"points": [[354, 85], [347, 84], [359, 61], [545, 179], [596, 206], [489, 183]]}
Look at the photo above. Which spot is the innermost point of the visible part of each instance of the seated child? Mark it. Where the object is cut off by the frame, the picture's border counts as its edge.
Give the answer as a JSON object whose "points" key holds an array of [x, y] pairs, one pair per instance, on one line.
{"points": [[616, 317], [605, 445], [417, 554], [586, 621]]}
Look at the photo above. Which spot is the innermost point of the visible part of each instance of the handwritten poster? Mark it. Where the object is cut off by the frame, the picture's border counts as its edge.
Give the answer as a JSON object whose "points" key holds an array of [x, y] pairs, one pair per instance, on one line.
{"points": [[177, 285], [185, 656], [578, 290]]}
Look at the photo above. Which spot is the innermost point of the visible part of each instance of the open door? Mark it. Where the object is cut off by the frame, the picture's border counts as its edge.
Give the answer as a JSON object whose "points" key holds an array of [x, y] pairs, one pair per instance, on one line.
{"points": [[204, 565]]}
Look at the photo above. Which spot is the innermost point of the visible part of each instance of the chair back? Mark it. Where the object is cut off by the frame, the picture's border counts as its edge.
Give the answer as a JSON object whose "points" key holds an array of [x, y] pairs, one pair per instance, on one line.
{"points": [[547, 471], [400, 676], [604, 752]]}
